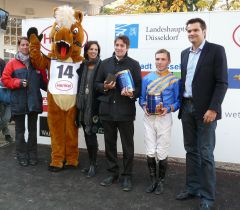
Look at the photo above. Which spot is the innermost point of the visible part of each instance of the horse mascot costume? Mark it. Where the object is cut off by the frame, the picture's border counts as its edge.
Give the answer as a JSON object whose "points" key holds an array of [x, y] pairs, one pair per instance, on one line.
{"points": [[62, 62]]}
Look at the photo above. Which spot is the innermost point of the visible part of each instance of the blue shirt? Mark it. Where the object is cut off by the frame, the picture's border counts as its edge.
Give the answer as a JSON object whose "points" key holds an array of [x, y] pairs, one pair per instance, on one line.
{"points": [[170, 95], [191, 68]]}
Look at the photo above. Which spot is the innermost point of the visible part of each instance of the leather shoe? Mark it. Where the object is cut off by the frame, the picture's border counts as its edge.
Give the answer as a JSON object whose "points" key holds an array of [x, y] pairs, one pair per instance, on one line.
{"points": [[23, 162], [109, 181], [33, 161], [91, 171], [159, 188], [205, 206], [55, 169], [185, 195], [127, 184], [151, 188], [70, 167], [85, 170], [8, 138]]}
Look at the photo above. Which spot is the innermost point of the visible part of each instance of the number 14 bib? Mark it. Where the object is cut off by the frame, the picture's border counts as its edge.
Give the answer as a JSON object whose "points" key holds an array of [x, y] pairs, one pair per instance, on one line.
{"points": [[63, 78]]}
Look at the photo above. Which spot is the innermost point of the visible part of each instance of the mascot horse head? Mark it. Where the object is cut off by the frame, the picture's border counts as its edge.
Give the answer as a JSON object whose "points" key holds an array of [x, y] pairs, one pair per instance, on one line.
{"points": [[67, 34]]}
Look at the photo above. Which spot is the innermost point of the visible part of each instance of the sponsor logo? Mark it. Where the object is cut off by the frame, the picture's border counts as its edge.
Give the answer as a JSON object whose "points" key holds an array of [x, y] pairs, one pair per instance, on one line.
{"points": [[149, 67], [43, 127], [163, 33], [234, 78], [130, 30], [146, 66], [64, 85], [46, 41], [236, 36], [45, 104], [234, 115]]}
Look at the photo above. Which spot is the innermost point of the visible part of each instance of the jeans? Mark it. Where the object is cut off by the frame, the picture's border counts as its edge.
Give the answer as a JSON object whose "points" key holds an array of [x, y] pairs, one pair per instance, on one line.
{"points": [[26, 149], [199, 143], [5, 115]]}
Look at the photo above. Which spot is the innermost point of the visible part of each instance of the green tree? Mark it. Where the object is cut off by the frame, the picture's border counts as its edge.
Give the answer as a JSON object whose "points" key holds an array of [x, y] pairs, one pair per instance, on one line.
{"points": [[107, 11], [207, 5], [232, 5], [154, 6], [161, 6]]}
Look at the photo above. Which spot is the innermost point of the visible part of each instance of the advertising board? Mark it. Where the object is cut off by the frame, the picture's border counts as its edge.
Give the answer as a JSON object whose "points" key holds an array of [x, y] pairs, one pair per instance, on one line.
{"points": [[151, 32]]}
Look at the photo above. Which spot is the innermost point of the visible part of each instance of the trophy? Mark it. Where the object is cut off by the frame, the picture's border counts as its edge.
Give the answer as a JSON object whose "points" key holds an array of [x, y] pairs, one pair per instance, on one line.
{"points": [[125, 80], [154, 104]]}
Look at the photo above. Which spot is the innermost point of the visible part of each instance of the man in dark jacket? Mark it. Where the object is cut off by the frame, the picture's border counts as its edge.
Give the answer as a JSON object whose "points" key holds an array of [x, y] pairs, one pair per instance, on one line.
{"points": [[117, 110], [204, 84]]}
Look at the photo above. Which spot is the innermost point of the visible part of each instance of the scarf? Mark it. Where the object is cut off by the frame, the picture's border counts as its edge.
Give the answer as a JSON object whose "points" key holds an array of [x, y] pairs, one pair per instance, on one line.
{"points": [[84, 102], [23, 58]]}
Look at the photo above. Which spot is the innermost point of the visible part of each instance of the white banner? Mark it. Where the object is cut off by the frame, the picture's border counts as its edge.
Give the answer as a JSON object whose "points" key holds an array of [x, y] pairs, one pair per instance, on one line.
{"points": [[151, 32]]}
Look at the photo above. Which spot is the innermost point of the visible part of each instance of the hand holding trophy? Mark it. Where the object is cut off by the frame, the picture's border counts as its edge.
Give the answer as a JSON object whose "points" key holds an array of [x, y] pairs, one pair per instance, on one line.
{"points": [[160, 110]]}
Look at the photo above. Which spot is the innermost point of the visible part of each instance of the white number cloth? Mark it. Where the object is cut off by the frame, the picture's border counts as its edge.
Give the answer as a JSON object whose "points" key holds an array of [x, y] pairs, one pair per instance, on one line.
{"points": [[63, 78]]}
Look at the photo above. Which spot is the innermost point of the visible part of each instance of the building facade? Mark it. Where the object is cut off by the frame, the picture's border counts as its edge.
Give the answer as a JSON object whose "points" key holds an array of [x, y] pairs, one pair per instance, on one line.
{"points": [[22, 9]]}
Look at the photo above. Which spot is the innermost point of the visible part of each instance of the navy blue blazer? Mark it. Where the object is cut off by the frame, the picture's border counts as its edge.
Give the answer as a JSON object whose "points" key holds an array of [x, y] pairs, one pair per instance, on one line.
{"points": [[210, 81]]}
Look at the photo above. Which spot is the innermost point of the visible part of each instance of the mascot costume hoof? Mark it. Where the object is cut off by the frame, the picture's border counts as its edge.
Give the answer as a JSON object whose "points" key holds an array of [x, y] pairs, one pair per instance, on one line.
{"points": [[62, 62]]}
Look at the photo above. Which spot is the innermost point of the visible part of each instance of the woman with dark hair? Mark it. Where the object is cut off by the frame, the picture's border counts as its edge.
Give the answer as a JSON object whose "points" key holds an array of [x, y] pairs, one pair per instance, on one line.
{"points": [[87, 102], [26, 99]]}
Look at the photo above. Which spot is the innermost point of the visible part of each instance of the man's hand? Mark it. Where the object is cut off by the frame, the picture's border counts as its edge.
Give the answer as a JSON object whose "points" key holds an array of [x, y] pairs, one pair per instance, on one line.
{"points": [[159, 109], [146, 110], [163, 111], [126, 92], [108, 86], [209, 116]]}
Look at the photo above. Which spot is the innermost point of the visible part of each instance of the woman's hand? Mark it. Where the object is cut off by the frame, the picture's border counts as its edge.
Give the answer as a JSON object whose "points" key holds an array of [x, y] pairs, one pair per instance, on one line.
{"points": [[24, 83]]}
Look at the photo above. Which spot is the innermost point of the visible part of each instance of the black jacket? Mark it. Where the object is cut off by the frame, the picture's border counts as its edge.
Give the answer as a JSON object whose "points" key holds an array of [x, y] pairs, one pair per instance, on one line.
{"points": [[2, 65], [95, 102], [114, 106], [210, 80]]}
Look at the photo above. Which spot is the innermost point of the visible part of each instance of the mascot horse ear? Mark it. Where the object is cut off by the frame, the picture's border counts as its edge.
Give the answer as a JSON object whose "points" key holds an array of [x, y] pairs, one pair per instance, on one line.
{"points": [[54, 11], [78, 15]]}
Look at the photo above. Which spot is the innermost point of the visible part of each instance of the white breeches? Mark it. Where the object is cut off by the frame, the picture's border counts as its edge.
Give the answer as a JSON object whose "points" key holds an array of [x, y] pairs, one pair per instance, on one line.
{"points": [[157, 135]]}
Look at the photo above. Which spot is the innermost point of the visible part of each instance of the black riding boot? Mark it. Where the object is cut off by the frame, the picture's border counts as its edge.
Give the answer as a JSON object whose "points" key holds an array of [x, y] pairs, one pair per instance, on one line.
{"points": [[162, 167], [151, 161], [92, 151]]}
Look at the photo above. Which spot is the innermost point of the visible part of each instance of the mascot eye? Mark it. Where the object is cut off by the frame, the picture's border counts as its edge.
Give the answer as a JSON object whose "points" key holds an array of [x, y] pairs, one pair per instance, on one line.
{"points": [[75, 30], [57, 28]]}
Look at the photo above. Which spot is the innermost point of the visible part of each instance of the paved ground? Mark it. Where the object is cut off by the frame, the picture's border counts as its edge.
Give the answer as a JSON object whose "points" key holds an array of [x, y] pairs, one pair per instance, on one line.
{"points": [[35, 188]]}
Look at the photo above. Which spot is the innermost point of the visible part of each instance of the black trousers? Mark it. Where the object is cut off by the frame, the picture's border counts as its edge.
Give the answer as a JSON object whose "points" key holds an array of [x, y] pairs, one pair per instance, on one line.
{"points": [[126, 129], [24, 148], [90, 139]]}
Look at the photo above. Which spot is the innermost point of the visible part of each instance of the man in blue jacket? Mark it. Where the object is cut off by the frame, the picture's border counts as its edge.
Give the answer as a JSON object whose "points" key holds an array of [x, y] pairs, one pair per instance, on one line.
{"points": [[160, 97]]}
